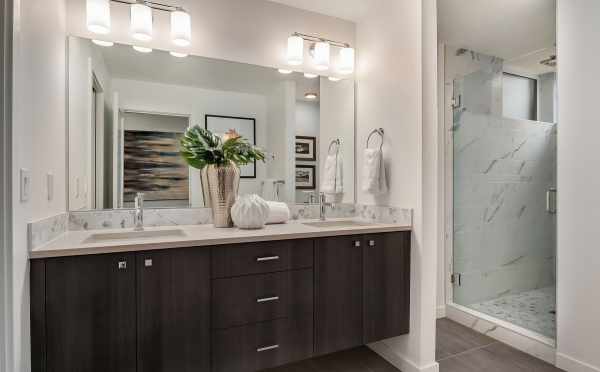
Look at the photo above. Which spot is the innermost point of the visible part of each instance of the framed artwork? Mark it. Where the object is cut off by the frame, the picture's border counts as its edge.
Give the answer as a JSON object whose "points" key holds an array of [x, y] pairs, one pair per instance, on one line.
{"points": [[306, 148], [305, 177], [152, 165], [245, 127]]}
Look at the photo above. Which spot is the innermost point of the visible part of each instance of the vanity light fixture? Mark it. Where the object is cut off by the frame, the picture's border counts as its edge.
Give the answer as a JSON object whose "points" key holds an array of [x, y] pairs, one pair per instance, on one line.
{"points": [[142, 49], [103, 43], [311, 96], [346, 66], [141, 22], [309, 75], [178, 54], [285, 71], [295, 51], [98, 16], [181, 27]]}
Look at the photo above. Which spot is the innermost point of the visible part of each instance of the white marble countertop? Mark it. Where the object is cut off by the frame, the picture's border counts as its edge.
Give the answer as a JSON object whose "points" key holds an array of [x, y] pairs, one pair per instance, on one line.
{"points": [[73, 243]]}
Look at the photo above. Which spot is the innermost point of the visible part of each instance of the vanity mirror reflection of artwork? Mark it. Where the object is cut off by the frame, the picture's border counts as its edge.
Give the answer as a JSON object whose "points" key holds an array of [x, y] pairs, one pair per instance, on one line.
{"points": [[126, 111]]}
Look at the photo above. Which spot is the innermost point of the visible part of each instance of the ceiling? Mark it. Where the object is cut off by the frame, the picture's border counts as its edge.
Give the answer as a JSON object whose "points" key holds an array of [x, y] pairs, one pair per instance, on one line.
{"points": [[160, 67], [503, 28], [350, 10]]}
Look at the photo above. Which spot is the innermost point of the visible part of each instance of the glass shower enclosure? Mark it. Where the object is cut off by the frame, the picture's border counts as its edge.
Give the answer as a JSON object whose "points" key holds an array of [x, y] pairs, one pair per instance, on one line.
{"points": [[503, 203]]}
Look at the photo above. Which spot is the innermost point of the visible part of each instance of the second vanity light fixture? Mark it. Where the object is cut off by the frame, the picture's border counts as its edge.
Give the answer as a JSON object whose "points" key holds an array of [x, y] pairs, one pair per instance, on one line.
{"points": [[98, 19], [320, 51]]}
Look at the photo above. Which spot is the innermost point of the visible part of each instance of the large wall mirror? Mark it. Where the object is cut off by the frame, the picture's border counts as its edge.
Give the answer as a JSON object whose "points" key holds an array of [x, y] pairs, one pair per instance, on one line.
{"points": [[128, 111]]}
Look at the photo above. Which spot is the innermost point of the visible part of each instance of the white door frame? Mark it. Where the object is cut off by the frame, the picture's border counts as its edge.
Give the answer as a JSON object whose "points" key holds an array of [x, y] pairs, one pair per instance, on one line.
{"points": [[6, 27]]}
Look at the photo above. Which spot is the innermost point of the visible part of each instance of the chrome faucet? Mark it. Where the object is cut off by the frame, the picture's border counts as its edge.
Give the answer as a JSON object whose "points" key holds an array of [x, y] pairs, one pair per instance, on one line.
{"points": [[138, 219], [323, 204]]}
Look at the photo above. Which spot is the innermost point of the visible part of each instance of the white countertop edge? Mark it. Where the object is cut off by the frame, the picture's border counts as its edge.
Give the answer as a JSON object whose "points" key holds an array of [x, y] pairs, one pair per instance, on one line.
{"points": [[70, 243]]}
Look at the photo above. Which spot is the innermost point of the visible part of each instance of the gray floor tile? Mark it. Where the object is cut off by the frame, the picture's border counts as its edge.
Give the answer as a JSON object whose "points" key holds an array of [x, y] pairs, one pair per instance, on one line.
{"points": [[453, 338]]}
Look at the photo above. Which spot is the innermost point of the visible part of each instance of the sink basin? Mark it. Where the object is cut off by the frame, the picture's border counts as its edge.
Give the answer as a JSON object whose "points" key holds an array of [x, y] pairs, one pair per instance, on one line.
{"points": [[325, 224], [130, 235]]}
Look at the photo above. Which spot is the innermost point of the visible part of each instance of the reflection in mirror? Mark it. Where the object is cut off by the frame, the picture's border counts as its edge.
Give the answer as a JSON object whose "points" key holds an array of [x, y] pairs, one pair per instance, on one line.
{"points": [[128, 111]]}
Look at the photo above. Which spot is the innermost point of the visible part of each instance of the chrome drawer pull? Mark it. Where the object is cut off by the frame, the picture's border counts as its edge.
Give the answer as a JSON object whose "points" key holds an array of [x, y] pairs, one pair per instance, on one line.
{"points": [[122, 265], [266, 348], [269, 258], [371, 243], [267, 299]]}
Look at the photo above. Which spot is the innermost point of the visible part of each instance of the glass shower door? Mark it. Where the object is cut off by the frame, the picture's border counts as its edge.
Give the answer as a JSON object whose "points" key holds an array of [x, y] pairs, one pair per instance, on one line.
{"points": [[504, 221]]}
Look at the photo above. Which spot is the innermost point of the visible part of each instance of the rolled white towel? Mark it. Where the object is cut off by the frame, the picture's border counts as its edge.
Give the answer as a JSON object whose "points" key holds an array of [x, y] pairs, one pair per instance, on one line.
{"points": [[374, 178], [278, 212]]}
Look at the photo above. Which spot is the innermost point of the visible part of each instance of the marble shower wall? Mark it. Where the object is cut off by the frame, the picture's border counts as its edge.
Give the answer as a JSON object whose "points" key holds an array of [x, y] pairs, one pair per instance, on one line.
{"points": [[504, 239]]}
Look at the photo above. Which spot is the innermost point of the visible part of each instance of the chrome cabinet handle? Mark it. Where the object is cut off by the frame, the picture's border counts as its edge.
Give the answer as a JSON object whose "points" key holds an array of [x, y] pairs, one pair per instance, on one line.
{"points": [[269, 258], [261, 349], [357, 243], [371, 243], [122, 265], [148, 262], [267, 299]]}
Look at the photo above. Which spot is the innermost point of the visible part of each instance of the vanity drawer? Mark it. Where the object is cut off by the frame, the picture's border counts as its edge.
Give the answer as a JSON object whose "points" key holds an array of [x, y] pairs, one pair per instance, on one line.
{"points": [[257, 298], [264, 345], [262, 257]]}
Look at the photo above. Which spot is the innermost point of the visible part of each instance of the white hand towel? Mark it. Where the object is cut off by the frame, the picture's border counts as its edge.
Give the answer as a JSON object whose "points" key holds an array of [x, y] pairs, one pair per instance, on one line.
{"points": [[278, 212], [374, 178], [333, 175]]}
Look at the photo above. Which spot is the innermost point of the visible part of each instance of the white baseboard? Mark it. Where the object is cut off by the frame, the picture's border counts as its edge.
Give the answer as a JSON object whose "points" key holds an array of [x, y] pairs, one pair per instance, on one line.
{"points": [[441, 312], [400, 362], [573, 365]]}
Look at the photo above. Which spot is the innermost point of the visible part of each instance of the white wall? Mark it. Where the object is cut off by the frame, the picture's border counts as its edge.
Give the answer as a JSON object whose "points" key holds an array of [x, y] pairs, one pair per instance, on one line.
{"points": [[248, 31], [196, 103], [578, 302], [396, 55], [38, 140]]}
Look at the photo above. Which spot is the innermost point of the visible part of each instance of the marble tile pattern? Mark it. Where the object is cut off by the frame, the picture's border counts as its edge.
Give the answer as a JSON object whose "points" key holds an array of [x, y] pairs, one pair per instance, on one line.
{"points": [[45, 230], [534, 310], [384, 214], [504, 239]]}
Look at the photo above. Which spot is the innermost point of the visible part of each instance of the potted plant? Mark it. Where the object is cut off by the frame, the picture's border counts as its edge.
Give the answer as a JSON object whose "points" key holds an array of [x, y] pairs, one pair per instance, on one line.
{"points": [[218, 159]]}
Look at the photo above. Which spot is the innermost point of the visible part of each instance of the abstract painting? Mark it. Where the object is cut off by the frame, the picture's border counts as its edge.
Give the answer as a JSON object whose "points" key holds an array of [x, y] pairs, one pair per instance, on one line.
{"points": [[154, 166]]}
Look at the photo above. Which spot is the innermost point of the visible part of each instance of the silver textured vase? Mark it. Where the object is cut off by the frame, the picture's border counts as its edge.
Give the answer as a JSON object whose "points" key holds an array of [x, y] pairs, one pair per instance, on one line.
{"points": [[223, 185]]}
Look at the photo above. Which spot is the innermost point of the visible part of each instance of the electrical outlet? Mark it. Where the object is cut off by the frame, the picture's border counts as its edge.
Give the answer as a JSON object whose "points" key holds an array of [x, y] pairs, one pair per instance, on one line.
{"points": [[50, 186], [25, 184]]}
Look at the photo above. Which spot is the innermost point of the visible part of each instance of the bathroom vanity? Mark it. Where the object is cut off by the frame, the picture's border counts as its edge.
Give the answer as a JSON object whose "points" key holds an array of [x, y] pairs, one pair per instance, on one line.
{"points": [[246, 301]]}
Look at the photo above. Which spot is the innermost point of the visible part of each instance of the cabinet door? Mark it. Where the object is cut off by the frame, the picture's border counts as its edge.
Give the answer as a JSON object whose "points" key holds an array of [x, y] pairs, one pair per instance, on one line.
{"points": [[338, 286], [173, 310], [90, 314], [386, 285]]}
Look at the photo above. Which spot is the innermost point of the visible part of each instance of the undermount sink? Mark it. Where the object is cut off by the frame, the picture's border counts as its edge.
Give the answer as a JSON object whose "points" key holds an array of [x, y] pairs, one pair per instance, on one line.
{"points": [[325, 224], [130, 235]]}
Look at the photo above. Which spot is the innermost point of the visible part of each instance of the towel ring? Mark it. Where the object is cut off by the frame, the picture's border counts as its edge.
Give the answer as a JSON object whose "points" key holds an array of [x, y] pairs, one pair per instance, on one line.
{"points": [[335, 142], [379, 131]]}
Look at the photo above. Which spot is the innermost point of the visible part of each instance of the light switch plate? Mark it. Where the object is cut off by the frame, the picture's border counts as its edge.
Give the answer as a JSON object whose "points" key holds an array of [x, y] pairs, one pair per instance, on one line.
{"points": [[50, 186], [25, 184]]}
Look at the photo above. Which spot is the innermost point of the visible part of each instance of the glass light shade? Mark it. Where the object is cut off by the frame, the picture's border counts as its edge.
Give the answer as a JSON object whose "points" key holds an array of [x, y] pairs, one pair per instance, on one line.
{"points": [[321, 55], [178, 54], [103, 43], [284, 71], [141, 22], [311, 96], [142, 49], [98, 16], [309, 75], [181, 28], [334, 79], [346, 66], [295, 50]]}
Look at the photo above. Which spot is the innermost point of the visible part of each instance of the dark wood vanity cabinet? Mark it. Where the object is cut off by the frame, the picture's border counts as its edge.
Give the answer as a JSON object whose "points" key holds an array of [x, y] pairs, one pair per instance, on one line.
{"points": [[231, 308]]}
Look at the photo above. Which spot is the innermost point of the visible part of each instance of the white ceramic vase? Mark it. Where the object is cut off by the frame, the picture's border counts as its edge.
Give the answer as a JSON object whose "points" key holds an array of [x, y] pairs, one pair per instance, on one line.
{"points": [[250, 212]]}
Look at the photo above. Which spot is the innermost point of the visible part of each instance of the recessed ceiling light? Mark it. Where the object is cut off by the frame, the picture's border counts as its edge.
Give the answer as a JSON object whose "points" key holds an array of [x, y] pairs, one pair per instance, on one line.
{"points": [[308, 75], [284, 71], [178, 55], [333, 78], [142, 49], [311, 96], [103, 43]]}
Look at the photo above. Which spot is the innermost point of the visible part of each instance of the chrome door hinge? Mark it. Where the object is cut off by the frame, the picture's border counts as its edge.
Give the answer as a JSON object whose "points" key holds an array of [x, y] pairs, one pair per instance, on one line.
{"points": [[456, 279], [457, 102]]}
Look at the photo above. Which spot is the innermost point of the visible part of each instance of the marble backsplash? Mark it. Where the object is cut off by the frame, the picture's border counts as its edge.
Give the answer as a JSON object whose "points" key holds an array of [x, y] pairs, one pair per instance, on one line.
{"points": [[43, 231]]}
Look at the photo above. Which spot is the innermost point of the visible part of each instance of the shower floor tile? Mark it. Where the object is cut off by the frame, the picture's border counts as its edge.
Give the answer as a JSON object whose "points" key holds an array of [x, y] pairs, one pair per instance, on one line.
{"points": [[534, 310]]}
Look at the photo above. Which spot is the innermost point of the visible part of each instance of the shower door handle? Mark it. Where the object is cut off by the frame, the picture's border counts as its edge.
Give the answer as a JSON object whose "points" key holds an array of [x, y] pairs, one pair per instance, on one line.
{"points": [[551, 200]]}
